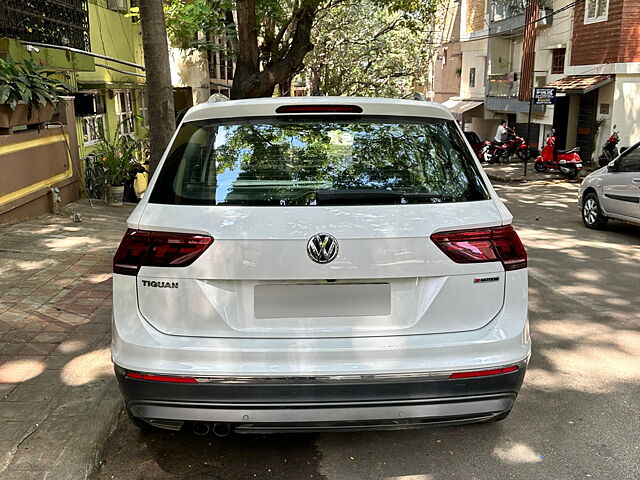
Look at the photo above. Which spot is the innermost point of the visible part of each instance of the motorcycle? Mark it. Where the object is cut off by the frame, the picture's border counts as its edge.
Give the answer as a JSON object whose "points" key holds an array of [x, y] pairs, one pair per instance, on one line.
{"points": [[494, 152], [517, 146], [609, 149], [567, 162]]}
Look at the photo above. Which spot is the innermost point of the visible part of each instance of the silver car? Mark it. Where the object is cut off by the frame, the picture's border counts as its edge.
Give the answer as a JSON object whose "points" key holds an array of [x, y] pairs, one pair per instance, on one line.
{"points": [[612, 192]]}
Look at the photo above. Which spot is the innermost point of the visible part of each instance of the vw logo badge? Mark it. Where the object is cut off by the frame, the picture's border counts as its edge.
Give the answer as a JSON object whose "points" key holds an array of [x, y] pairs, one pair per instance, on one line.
{"points": [[322, 248]]}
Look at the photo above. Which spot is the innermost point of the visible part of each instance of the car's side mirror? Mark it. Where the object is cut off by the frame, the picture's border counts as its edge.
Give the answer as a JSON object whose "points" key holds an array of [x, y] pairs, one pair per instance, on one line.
{"points": [[612, 167]]}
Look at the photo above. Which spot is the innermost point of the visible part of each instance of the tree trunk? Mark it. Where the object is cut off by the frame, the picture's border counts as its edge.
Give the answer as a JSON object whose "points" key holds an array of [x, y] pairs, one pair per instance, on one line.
{"points": [[250, 81], [162, 122]]}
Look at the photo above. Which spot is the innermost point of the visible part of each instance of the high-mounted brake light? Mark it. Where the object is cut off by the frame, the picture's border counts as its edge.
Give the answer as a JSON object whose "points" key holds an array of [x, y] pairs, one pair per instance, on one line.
{"points": [[319, 109], [483, 245], [484, 373], [160, 378], [157, 249]]}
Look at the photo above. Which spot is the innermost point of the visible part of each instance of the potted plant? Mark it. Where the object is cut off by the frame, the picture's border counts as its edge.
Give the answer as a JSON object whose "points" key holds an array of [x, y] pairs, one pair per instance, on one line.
{"points": [[119, 156], [28, 94]]}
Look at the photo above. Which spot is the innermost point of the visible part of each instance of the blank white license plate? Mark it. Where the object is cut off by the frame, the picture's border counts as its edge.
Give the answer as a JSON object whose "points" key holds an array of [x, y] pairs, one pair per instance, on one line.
{"points": [[322, 300]]}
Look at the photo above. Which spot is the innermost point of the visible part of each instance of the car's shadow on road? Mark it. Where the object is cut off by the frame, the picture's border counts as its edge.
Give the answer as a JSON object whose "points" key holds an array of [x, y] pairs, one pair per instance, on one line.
{"points": [[168, 455]]}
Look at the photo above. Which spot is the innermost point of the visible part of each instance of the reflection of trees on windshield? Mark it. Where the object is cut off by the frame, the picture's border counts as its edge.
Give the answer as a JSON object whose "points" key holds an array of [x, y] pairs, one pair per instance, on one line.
{"points": [[401, 157], [284, 163]]}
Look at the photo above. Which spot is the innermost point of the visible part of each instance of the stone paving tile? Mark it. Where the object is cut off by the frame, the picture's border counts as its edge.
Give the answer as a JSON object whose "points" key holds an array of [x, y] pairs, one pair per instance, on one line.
{"points": [[18, 411], [50, 337], [43, 349], [55, 309], [33, 393]]}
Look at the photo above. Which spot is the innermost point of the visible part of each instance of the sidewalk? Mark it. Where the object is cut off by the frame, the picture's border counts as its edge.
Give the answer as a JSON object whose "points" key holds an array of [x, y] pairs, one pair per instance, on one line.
{"points": [[514, 172], [58, 397]]}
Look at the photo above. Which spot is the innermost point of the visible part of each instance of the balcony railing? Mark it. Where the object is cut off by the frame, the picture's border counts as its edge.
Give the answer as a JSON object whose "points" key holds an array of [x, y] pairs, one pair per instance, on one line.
{"points": [[504, 85], [58, 22], [504, 9]]}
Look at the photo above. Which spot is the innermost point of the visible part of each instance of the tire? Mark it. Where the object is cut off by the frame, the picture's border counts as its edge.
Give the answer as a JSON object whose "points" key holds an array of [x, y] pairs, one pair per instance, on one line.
{"points": [[539, 166], [523, 154], [592, 215]]}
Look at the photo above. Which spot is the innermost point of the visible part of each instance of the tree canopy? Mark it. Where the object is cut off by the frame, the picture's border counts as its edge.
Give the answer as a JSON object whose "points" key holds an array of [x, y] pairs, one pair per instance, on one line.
{"points": [[372, 49], [358, 46]]}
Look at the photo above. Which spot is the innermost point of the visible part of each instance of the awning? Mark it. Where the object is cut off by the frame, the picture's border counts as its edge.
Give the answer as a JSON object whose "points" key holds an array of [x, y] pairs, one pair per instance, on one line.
{"points": [[580, 84], [460, 106]]}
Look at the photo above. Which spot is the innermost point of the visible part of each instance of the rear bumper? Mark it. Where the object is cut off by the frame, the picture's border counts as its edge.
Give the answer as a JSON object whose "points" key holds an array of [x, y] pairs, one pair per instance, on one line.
{"points": [[287, 404]]}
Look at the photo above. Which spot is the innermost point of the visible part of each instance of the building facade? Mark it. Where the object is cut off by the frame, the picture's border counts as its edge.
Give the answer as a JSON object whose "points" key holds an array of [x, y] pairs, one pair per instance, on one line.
{"points": [[589, 51], [97, 49]]}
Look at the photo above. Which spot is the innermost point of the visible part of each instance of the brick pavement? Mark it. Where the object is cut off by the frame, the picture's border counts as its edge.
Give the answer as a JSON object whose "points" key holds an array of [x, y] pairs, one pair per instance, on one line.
{"points": [[58, 397]]}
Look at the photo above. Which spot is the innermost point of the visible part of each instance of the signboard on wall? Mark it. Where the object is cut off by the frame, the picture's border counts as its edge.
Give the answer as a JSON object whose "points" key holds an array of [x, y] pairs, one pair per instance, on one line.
{"points": [[544, 96]]}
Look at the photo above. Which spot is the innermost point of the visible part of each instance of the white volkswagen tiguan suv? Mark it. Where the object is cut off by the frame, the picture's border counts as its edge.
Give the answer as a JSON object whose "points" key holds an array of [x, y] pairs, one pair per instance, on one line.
{"points": [[319, 263]]}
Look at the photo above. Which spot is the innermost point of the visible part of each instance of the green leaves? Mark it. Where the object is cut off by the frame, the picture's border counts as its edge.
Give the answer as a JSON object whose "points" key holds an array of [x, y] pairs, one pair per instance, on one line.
{"points": [[190, 23], [118, 154], [372, 48], [30, 84]]}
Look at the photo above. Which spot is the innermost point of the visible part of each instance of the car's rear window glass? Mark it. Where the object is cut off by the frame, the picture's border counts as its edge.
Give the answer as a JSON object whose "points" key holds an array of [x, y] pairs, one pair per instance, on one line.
{"points": [[308, 161]]}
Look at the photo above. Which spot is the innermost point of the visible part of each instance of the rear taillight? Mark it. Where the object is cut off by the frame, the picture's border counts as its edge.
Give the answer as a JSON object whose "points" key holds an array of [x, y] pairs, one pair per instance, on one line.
{"points": [[160, 378], [483, 245], [157, 249], [484, 373]]}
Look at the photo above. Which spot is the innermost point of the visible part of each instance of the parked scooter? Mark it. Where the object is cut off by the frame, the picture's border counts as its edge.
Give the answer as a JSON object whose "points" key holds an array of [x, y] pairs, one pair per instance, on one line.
{"points": [[567, 162], [609, 149]]}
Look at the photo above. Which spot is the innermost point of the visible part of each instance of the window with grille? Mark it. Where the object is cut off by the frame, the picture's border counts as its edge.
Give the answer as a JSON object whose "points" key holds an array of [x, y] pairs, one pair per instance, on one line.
{"points": [[557, 60], [472, 77], [596, 11], [124, 112], [141, 101], [92, 129]]}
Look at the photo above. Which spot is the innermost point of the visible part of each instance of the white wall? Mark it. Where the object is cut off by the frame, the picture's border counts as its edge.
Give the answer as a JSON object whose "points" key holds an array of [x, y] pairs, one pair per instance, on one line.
{"points": [[190, 70], [473, 56], [626, 108]]}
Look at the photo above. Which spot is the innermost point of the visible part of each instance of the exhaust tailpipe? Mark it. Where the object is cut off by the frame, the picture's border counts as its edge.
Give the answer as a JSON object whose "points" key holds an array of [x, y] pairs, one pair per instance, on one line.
{"points": [[221, 429], [200, 428]]}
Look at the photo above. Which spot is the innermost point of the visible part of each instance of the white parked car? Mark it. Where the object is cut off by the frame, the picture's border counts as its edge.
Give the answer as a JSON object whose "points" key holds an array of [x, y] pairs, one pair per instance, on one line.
{"points": [[612, 192], [319, 263]]}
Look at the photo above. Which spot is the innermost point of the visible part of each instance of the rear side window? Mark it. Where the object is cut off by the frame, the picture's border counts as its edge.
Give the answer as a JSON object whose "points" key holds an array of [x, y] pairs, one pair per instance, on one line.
{"points": [[327, 160]]}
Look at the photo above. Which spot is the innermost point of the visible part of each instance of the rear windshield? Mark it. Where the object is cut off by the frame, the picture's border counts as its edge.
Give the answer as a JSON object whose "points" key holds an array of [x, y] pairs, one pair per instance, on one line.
{"points": [[297, 161]]}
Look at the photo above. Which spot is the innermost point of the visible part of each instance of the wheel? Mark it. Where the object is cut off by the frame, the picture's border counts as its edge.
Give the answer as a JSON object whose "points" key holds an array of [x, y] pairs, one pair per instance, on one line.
{"points": [[539, 166], [592, 215], [523, 153]]}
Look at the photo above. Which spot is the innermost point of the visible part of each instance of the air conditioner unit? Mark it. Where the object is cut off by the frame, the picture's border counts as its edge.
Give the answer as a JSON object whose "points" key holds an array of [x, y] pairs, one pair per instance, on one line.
{"points": [[118, 5]]}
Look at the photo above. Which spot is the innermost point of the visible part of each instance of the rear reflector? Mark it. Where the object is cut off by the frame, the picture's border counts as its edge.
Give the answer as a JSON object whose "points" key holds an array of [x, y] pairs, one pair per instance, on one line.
{"points": [[484, 373], [160, 378], [483, 245], [319, 109], [157, 249]]}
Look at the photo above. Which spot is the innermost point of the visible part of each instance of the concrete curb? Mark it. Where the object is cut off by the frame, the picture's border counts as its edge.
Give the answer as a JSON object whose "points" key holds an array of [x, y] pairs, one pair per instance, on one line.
{"points": [[82, 455], [501, 178]]}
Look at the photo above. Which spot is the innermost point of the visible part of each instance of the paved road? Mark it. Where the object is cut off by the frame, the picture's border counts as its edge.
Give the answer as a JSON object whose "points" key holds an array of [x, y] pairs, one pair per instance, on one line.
{"points": [[578, 414]]}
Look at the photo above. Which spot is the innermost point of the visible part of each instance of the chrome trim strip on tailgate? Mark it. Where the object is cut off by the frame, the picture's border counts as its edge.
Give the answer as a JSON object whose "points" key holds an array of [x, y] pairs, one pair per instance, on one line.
{"points": [[348, 378]]}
